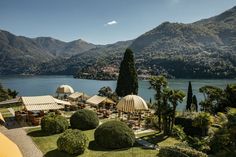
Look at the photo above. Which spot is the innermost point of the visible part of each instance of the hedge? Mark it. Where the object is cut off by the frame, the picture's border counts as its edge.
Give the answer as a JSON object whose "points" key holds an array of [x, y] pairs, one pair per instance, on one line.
{"points": [[84, 120], [187, 124], [176, 151], [53, 124], [72, 142], [114, 135]]}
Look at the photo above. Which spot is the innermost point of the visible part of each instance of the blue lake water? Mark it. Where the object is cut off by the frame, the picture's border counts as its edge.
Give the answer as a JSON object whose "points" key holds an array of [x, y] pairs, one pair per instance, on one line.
{"points": [[43, 85]]}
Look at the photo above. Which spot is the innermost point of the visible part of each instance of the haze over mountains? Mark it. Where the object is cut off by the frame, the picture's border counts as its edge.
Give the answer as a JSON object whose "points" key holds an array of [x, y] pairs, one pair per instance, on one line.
{"points": [[204, 49]]}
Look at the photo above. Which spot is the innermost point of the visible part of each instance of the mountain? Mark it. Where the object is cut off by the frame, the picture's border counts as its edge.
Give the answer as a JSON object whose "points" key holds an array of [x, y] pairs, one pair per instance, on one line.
{"points": [[17, 53], [22, 55], [93, 59], [203, 49], [77, 47]]}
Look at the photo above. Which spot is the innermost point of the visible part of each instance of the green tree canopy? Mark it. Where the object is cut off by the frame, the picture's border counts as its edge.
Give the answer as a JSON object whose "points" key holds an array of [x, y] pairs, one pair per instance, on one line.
{"points": [[215, 99], [105, 91], [7, 93], [127, 82]]}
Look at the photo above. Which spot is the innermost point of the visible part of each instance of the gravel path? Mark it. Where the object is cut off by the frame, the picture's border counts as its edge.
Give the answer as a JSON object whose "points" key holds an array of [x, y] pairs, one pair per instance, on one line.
{"points": [[19, 136]]}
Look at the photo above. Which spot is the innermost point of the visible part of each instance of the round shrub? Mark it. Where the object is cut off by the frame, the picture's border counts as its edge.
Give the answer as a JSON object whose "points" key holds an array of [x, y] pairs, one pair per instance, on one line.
{"points": [[72, 142], [53, 124], [114, 135], [84, 120]]}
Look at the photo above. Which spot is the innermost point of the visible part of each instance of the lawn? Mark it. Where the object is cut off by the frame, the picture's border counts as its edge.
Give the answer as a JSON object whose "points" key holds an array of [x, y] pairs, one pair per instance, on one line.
{"points": [[47, 144]]}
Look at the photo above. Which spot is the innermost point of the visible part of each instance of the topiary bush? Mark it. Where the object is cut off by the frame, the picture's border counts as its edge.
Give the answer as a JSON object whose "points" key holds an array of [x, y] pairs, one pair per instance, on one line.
{"points": [[175, 151], [72, 142], [114, 135], [53, 124], [84, 120]]}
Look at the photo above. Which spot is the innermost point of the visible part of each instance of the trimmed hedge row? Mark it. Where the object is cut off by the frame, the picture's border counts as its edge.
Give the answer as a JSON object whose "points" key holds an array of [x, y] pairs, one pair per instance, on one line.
{"points": [[187, 124], [53, 124], [84, 120], [72, 142], [175, 151], [114, 135]]}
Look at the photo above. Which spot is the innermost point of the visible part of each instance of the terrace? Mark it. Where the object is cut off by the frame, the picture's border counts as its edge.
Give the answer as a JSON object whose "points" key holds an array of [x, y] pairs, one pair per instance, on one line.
{"points": [[26, 113]]}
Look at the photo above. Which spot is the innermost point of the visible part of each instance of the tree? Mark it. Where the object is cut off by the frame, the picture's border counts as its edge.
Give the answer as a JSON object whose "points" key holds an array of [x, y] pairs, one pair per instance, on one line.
{"points": [[158, 83], [127, 82], [215, 99], [7, 93], [194, 103], [189, 96], [176, 96], [166, 102], [105, 91], [166, 112], [230, 92], [12, 93]]}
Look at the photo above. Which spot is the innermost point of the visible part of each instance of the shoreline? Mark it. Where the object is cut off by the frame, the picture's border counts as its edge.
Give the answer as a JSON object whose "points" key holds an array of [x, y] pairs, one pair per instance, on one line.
{"points": [[97, 79]]}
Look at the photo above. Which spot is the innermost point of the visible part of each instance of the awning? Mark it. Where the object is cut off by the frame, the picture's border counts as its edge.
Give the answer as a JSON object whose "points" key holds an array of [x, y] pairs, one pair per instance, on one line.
{"points": [[75, 95], [43, 107], [34, 103], [11, 101], [95, 100], [8, 148], [61, 102]]}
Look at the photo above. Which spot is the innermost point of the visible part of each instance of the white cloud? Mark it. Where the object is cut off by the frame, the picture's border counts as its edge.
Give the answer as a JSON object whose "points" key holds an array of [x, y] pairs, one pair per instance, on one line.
{"points": [[111, 23]]}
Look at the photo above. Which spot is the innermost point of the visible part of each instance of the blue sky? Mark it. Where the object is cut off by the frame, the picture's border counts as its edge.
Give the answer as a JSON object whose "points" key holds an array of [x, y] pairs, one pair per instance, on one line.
{"points": [[101, 21]]}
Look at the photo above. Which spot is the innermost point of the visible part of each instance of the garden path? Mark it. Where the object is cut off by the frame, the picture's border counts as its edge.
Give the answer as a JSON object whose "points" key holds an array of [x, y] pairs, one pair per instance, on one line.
{"points": [[19, 136], [146, 144]]}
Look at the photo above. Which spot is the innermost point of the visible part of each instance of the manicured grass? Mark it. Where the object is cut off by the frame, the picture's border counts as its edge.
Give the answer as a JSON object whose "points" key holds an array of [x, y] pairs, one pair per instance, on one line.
{"points": [[158, 138], [47, 144]]}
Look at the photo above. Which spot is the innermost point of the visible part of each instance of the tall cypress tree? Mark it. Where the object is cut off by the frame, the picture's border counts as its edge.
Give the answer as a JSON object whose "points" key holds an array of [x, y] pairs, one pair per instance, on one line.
{"points": [[127, 82], [189, 96]]}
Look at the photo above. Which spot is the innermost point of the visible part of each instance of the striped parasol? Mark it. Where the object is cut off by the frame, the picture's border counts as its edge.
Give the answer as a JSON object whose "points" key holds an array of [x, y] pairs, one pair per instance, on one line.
{"points": [[132, 103]]}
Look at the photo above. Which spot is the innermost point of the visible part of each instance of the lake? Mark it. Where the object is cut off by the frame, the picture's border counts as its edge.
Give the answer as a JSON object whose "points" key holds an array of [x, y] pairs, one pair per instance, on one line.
{"points": [[43, 85]]}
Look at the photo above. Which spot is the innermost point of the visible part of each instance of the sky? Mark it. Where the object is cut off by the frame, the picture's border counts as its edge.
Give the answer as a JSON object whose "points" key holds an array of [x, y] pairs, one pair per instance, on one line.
{"points": [[101, 21]]}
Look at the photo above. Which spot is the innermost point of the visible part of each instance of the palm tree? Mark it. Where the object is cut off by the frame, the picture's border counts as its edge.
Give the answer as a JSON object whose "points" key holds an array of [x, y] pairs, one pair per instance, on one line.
{"points": [[158, 83], [176, 96], [166, 110]]}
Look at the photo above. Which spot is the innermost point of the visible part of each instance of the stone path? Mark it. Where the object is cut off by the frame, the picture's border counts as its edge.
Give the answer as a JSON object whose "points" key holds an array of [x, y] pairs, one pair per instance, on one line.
{"points": [[146, 144], [19, 136]]}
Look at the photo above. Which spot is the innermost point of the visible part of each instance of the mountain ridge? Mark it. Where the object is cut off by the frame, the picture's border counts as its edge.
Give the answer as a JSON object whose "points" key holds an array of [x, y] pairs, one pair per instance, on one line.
{"points": [[202, 49]]}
